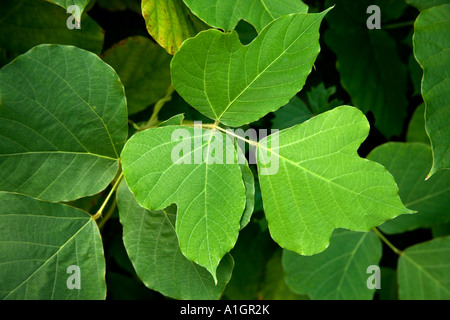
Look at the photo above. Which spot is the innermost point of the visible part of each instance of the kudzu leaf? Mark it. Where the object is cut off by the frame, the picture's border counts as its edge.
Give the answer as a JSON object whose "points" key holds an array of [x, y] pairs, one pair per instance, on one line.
{"points": [[195, 169], [27, 23], [226, 14], [82, 4], [368, 62], [238, 84], [416, 128], [432, 51], [424, 272], [313, 181], [63, 123], [39, 241], [425, 4], [170, 22], [143, 68], [338, 273], [152, 245], [409, 164]]}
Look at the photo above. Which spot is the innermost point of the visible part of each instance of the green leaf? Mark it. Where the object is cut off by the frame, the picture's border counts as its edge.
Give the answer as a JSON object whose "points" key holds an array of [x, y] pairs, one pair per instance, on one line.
{"points": [[338, 273], [432, 51], [319, 98], [409, 164], [143, 68], [226, 14], [249, 182], [441, 230], [295, 112], [62, 123], [416, 128], [253, 80], [152, 245], [27, 23], [369, 65], [321, 182], [389, 287], [82, 4], [423, 271], [425, 4], [170, 22], [188, 166], [176, 120], [38, 242]]}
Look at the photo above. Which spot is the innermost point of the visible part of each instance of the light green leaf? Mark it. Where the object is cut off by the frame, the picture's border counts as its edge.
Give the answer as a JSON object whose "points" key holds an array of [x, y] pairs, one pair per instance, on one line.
{"points": [[207, 187], [39, 241], [368, 62], [152, 245], [338, 273], [409, 164], [239, 84], [425, 4], [170, 22], [432, 51], [176, 120], [226, 14], [321, 182], [63, 123], [27, 23], [424, 272], [295, 112], [416, 128], [143, 68]]}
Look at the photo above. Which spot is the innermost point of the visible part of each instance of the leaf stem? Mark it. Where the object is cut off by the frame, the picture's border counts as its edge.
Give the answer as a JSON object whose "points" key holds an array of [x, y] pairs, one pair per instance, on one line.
{"points": [[250, 142], [108, 214], [158, 106], [399, 25], [116, 184], [387, 242]]}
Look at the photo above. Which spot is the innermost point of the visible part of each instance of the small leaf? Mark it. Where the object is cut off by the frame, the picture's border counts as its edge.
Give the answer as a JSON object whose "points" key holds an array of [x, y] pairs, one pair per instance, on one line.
{"points": [[409, 164], [170, 22], [189, 167], [432, 51], [239, 84], [152, 245], [143, 68], [338, 273], [313, 181], [423, 271], [226, 14], [39, 241], [62, 123]]}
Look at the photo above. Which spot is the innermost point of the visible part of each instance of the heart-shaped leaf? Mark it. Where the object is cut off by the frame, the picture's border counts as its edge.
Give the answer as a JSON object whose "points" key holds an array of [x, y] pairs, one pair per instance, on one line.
{"points": [[321, 183], [39, 241], [238, 84], [226, 14], [53, 100], [192, 168]]}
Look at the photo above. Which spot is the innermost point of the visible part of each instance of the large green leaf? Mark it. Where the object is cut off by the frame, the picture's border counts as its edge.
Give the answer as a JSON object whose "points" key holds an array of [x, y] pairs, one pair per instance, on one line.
{"points": [[425, 4], [321, 183], [63, 123], [432, 51], [368, 62], [152, 245], [39, 241], [409, 163], [27, 23], [170, 22], [239, 84], [424, 272], [226, 14], [209, 190], [338, 273], [143, 68]]}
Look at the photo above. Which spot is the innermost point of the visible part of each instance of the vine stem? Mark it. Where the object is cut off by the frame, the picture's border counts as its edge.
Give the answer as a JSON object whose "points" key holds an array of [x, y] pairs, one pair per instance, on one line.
{"points": [[387, 242], [158, 106], [108, 214], [116, 184], [399, 25]]}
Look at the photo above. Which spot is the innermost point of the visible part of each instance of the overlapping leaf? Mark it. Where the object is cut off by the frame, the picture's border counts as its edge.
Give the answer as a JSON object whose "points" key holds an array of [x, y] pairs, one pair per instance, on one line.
{"points": [[39, 241], [338, 273], [409, 164], [195, 169], [226, 14], [62, 123], [424, 272], [432, 51], [170, 22], [143, 68], [238, 84], [425, 4], [416, 128], [82, 4], [152, 245], [313, 181]]}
